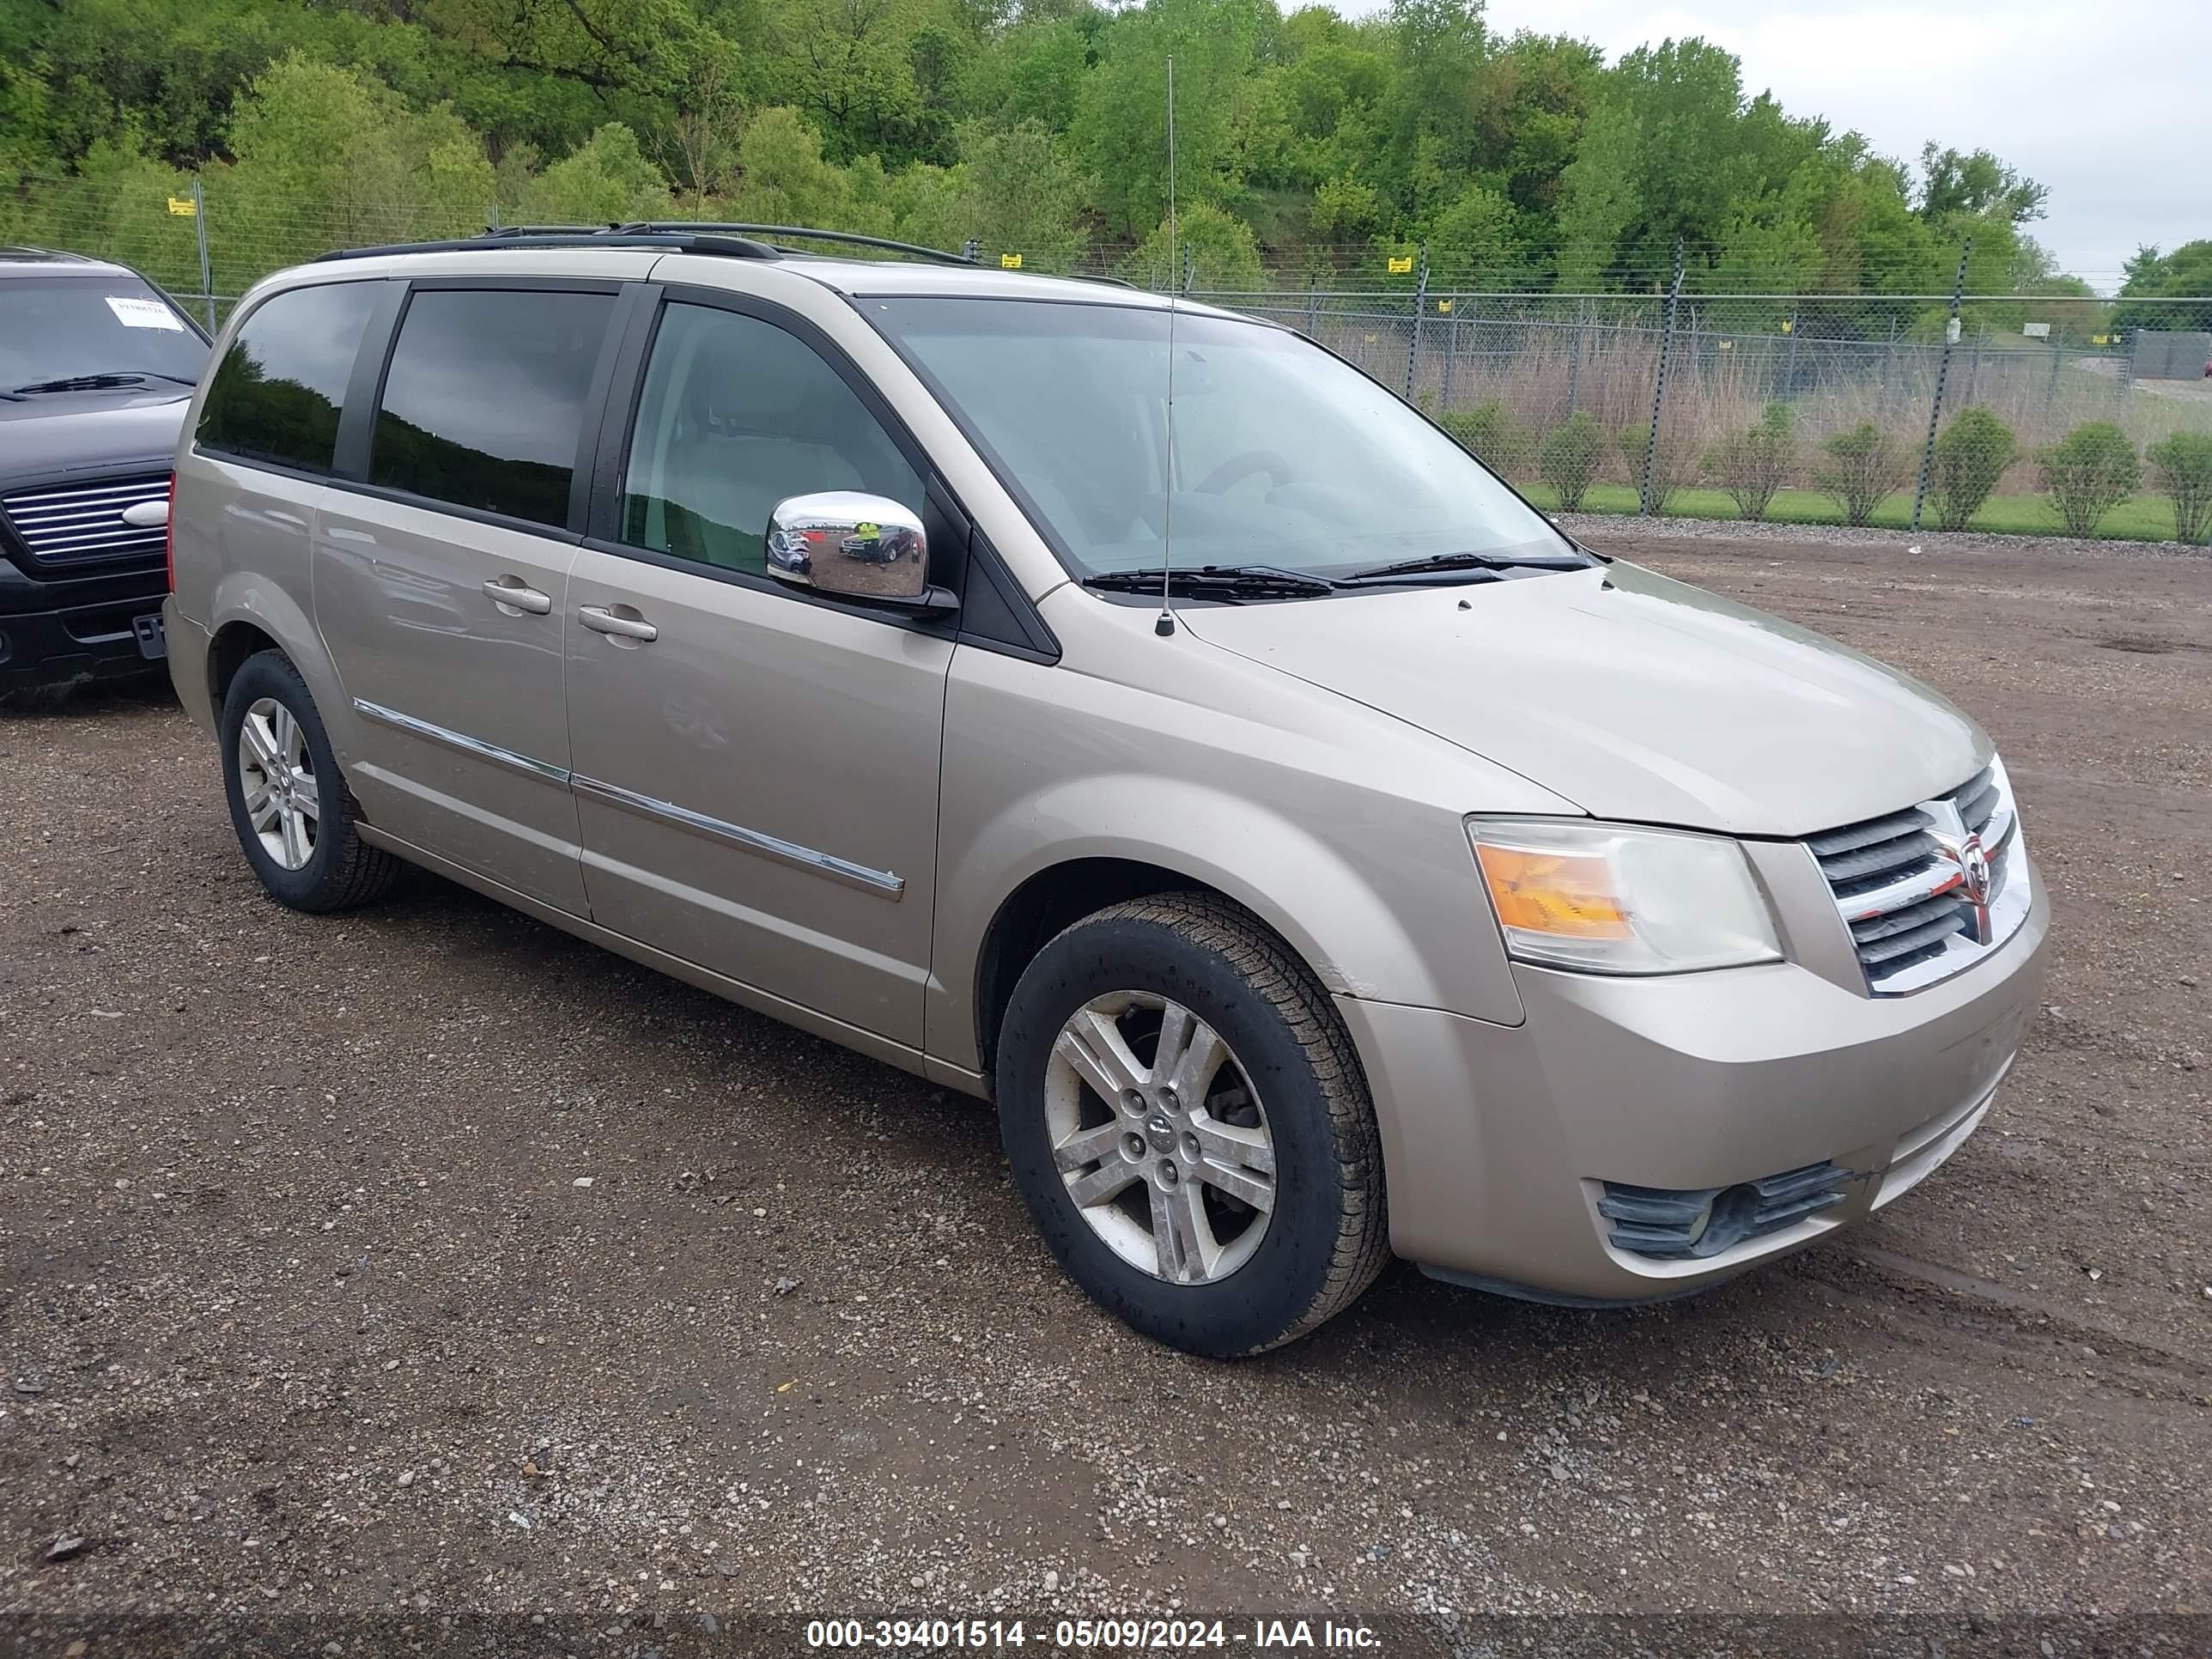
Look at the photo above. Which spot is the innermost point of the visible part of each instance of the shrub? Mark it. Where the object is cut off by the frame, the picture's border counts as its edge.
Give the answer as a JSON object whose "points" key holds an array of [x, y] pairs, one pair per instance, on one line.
{"points": [[1753, 463], [1864, 465], [2182, 465], [1492, 432], [1568, 457], [1672, 466], [1971, 456], [2088, 472]]}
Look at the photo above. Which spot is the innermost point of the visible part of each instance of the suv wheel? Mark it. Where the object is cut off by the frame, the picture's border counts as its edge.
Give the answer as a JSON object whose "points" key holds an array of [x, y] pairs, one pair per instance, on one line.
{"points": [[289, 803], [1185, 1117]]}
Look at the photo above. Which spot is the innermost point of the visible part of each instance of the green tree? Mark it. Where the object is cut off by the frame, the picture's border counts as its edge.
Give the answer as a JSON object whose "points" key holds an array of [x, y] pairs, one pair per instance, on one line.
{"points": [[1864, 466], [1121, 122], [2186, 273], [1223, 256], [1569, 456], [782, 177], [329, 157], [1971, 454], [2088, 472], [1752, 464], [1020, 194], [608, 180], [2181, 465], [1345, 209], [1491, 432], [1975, 187]]}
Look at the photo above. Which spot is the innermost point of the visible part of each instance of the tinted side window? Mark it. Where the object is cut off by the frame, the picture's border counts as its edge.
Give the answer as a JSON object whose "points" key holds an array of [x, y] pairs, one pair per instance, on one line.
{"points": [[484, 400], [276, 394], [736, 415]]}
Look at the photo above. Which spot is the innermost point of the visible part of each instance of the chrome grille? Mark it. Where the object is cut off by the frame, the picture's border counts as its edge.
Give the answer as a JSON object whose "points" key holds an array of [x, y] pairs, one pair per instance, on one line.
{"points": [[1903, 888], [85, 521]]}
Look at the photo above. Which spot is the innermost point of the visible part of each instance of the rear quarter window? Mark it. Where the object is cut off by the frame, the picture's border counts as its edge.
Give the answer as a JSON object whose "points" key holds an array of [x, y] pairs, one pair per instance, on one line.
{"points": [[277, 394]]}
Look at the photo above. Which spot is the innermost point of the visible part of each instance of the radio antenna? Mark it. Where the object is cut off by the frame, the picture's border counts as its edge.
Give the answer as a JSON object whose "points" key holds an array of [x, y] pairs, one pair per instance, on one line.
{"points": [[1163, 625]]}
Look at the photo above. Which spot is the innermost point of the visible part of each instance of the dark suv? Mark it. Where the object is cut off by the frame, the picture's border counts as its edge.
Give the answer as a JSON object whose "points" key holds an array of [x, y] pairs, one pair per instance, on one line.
{"points": [[96, 369]]}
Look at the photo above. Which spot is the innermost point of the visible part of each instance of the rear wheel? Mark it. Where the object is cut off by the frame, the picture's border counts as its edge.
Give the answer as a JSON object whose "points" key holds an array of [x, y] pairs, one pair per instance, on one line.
{"points": [[1185, 1117], [289, 803]]}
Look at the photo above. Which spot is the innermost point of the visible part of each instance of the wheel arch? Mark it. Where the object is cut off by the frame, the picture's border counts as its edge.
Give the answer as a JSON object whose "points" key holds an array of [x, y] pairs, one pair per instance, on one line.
{"points": [[1297, 887], [249, 614]]}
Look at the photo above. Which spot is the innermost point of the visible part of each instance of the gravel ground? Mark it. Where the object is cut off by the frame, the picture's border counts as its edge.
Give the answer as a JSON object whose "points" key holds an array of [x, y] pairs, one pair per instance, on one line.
{"points": [[424, 1261]]}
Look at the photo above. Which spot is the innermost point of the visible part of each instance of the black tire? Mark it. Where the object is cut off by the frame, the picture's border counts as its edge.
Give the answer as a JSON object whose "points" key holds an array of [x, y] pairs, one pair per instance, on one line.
{"points": [[343, 871], [1327, 1237]]}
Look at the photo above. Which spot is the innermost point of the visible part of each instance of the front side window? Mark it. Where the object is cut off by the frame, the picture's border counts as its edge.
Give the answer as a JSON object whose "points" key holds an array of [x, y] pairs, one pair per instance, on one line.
{"points": [[736, 415], [484, 398], [278, 391], [1282, 455]]}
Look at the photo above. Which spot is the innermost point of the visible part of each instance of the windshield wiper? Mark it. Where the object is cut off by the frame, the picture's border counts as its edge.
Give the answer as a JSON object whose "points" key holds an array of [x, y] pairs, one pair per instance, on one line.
{"points": [[1233, 580], [1476, 566], [81, 383]]}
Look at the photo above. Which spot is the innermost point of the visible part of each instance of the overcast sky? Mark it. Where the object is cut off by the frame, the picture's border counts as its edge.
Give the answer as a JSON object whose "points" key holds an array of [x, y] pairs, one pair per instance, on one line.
{"points": [[2110, 104]]}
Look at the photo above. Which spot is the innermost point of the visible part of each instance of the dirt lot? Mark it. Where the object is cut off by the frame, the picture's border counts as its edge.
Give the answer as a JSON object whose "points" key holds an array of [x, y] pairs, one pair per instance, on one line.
{"points": [[305, 1303]]}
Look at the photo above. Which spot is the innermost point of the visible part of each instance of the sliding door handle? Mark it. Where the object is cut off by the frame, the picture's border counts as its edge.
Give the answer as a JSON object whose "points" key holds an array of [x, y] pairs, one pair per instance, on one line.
{"points": [[509, 594], [600, 620]]}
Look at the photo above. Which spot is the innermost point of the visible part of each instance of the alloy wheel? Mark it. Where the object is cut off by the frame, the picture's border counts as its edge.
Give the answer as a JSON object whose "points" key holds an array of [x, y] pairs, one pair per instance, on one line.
{"points": [[276, 776], [1159, 1137]]}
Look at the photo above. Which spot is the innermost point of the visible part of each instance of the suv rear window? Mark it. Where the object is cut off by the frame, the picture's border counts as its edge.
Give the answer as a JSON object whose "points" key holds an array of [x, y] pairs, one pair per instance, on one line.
{"points": [[276, 394], [56, 327], [484, 402]]}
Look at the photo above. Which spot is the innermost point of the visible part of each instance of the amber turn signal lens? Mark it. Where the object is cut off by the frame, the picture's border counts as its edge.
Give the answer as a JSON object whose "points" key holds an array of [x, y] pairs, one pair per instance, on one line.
{"points": [[1568, 895]]}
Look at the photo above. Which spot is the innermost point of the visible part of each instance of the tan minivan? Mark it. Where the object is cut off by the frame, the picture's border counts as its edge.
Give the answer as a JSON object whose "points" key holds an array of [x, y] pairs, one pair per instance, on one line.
{"points": [[1404, 878]]}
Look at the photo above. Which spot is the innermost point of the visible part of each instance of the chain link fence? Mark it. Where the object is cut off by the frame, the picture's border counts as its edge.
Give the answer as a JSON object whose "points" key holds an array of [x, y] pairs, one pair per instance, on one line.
{"points": [[1700, 391], [1829, 407]]}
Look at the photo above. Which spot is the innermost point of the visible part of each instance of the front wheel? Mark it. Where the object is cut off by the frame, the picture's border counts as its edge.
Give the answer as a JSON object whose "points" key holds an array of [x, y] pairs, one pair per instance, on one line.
{"points": [[1187, 1120]]}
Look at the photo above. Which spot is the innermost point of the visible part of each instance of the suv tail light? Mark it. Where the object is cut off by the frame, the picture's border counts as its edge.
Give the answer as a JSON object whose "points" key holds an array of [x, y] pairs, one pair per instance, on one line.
{"points": [[169, 535]]}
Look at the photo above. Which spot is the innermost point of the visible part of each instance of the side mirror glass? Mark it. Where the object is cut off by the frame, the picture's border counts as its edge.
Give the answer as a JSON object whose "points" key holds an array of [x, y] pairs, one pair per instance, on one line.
{"points": [[843, 541]]}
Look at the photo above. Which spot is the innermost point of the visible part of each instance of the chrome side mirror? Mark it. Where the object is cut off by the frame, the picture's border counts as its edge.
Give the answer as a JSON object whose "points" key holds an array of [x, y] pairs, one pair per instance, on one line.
{"points": [[845, 542]]}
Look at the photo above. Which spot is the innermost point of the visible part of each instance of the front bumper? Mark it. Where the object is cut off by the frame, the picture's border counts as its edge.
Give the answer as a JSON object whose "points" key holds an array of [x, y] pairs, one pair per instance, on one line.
{"points": [[69, 644], [1497, 1140]]}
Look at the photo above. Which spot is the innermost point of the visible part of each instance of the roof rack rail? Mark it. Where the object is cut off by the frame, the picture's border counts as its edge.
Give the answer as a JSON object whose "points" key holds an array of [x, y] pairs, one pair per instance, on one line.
{"points": [[599, 229], [732, 247], [850, 238]]}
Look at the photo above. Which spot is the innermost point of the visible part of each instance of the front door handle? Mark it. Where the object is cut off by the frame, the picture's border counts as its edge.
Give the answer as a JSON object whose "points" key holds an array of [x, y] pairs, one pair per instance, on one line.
{"points": [[509, 594], [602, 621]]}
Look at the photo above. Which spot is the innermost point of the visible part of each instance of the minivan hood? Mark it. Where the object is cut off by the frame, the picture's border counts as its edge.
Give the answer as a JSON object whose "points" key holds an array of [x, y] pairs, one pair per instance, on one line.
{"points": [[54, 432], [1635, 696]]}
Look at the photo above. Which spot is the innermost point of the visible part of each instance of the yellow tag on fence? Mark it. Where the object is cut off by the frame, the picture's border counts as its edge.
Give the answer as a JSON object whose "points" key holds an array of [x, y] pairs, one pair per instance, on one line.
{"points": [[184, 207], [1444, 305], [1787, 325], [1398, 266], [1009, 262]]}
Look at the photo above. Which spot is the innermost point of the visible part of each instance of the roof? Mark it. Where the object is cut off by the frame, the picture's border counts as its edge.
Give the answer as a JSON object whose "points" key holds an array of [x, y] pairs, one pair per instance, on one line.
{"points": [[630, 251], [25, 261], [857, 277]]}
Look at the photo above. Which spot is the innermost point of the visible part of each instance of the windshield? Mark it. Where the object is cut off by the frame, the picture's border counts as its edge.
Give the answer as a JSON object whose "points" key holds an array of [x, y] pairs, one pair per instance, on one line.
{"points": [[1284, 456], [54, 328]]}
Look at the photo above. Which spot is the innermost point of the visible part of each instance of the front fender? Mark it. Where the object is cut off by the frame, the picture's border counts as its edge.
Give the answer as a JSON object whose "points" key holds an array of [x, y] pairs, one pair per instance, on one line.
{"points": [[1327, 907]]}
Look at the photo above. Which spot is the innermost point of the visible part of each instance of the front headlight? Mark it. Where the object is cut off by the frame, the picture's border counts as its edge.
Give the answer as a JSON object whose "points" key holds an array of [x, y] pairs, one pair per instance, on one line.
{"points": [[1608, 900]]}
